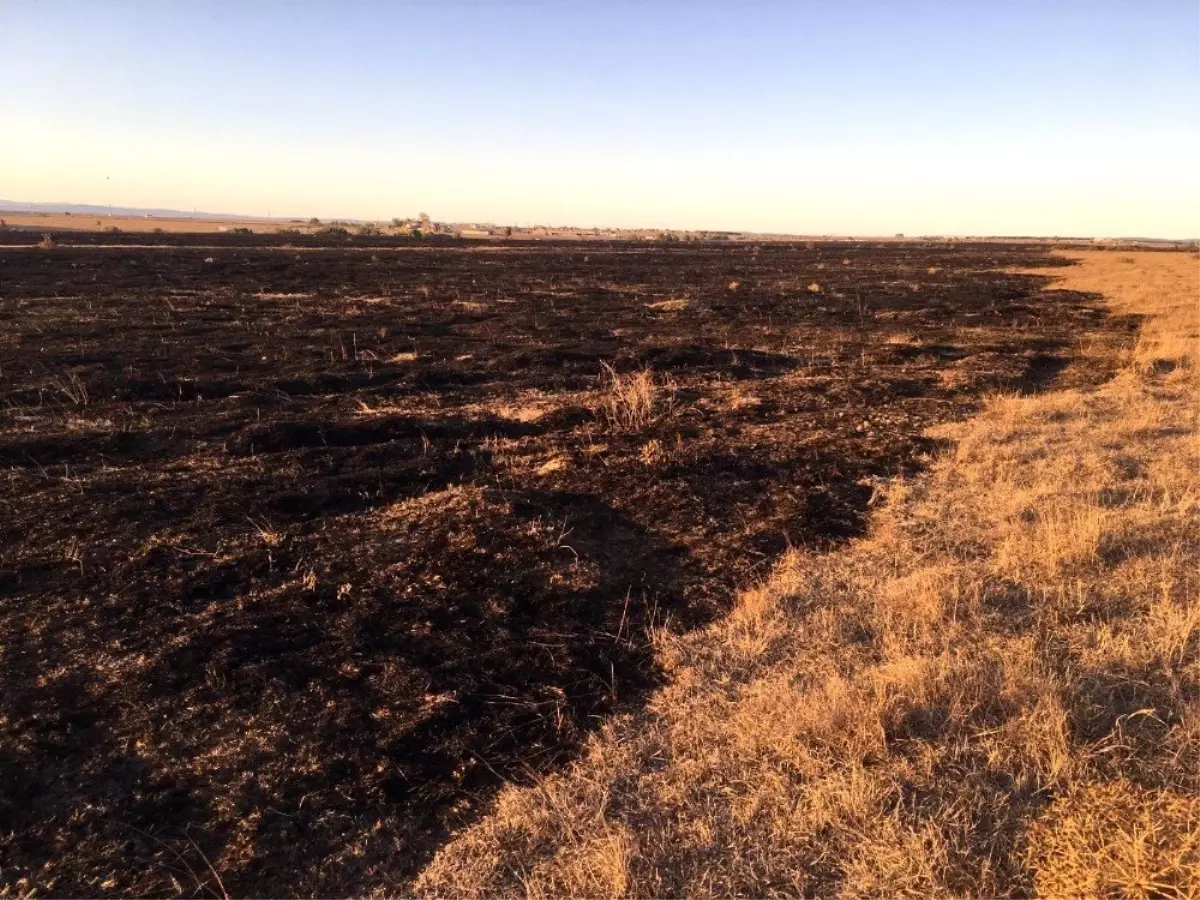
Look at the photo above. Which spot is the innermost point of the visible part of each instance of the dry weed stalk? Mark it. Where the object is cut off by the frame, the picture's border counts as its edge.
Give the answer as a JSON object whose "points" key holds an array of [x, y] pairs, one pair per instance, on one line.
{"points": [[73, 388]]}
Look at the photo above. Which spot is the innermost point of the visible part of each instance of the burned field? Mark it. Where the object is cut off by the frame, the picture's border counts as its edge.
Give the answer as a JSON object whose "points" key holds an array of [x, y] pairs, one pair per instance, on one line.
{"points": [[302, 551]]}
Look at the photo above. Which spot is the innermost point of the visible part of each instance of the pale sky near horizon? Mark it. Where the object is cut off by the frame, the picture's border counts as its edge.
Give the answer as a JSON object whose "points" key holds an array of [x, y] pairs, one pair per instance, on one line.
{"points": [[850, 117]]}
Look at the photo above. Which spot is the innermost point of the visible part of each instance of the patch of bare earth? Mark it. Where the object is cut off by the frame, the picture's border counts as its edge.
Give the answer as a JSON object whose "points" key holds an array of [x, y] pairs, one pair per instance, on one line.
{"points": [[992, 694]]}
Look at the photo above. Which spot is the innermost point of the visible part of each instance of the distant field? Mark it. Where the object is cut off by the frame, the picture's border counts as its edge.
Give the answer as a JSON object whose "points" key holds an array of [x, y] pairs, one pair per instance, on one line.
{"points": [[80, 222], [304, 554]]}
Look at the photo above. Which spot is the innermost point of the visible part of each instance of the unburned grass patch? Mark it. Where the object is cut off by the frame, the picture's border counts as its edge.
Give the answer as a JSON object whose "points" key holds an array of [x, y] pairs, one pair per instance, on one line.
{"points": [[1115, 839]]}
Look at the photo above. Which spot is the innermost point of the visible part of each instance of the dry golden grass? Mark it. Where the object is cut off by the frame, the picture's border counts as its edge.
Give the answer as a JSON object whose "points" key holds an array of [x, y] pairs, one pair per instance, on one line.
{"points": [[995, 694], [1117, 839]]}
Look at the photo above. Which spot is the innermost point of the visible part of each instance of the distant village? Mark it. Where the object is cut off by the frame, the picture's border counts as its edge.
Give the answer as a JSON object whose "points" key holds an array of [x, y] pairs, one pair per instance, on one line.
{"points": [[424, 225]]}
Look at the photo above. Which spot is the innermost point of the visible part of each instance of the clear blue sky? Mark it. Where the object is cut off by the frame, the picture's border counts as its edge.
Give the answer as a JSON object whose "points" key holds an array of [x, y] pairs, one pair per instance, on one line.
{"points": [[809, 117]]}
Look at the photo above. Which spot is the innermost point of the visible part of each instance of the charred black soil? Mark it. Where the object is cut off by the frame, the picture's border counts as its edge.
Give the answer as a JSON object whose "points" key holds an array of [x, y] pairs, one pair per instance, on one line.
{"points": [[303, 551]]}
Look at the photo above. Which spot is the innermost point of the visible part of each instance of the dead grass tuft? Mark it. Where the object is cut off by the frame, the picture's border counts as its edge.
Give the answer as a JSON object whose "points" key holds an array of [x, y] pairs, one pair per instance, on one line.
{"points": [[632, 401], [673, 305]]}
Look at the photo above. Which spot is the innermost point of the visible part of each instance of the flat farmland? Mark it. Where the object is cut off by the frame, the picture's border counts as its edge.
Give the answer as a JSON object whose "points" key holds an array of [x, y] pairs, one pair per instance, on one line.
{"points": [[304, 551]]}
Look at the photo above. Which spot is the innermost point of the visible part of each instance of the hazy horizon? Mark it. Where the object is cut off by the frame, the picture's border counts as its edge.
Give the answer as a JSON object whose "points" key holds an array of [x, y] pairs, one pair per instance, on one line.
{"points": [[87, 210], [856, 118]]}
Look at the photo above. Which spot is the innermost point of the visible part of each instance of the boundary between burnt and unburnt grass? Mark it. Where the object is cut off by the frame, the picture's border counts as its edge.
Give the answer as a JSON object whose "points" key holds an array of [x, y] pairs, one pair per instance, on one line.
{"points": [[301, 755], [994, 694]]}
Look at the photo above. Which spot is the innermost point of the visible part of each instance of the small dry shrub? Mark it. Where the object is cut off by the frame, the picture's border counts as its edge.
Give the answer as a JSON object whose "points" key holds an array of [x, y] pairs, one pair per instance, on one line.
{"points": [[47, 242]]}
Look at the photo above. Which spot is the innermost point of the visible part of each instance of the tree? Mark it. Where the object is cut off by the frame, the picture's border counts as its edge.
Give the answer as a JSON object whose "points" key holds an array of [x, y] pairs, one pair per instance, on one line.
{"points": [[314, 221]]}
